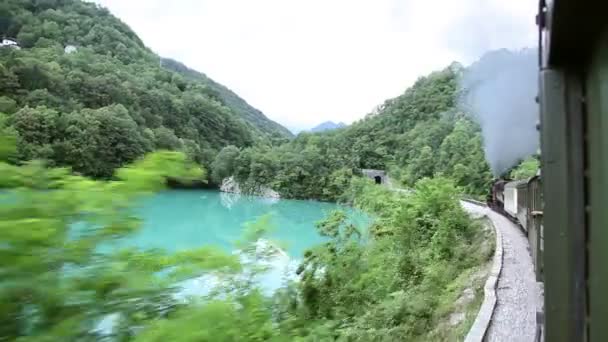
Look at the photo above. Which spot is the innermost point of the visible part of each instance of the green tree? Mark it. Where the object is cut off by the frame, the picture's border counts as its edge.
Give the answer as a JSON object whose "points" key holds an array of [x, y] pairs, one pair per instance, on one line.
{"points": [[420, 166], [96, 142], [37, 129], [166, 139], [526, 169], [246, 319], [224, 164], [7, 105], [388, 286], [51, 251]]}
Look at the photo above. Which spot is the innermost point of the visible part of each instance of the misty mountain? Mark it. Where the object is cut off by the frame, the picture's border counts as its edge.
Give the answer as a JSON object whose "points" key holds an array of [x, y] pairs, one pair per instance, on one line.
{"points": [[327, 126]]}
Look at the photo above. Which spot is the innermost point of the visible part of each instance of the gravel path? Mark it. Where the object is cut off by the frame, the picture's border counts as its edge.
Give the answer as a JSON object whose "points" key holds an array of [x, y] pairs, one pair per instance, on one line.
{"points": [[514, 318], [518, 295]]}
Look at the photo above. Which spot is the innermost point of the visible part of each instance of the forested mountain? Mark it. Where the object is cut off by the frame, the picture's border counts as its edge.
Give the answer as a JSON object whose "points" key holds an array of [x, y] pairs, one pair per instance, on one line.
{"points": [[419, 134], [327, 126], [230, 99], [85, 92]]}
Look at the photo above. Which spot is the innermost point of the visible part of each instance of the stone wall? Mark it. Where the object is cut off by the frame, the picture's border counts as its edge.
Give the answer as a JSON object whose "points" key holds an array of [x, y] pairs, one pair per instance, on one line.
{"points": [[232, 186]]}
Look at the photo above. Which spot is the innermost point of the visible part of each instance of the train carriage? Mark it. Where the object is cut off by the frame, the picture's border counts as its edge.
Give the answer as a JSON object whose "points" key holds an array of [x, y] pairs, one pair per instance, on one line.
{"points": [[521, 202], [573, 96], [515, 201], [566, 220]]}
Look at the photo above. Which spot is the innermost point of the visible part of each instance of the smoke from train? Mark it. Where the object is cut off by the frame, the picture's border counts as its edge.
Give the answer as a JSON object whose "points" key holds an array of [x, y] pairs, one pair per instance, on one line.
{"points": [[499, 91]]}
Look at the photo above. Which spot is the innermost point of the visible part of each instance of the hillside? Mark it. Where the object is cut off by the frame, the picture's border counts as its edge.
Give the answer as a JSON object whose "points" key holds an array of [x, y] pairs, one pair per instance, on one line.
{"points": [[84, 91], [418, 134], [327, 126], [252, 115]]}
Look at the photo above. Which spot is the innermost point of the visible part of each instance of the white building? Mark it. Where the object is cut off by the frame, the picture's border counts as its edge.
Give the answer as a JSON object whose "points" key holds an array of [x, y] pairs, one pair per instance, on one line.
{"points": [[70, 49], [9, 43]]}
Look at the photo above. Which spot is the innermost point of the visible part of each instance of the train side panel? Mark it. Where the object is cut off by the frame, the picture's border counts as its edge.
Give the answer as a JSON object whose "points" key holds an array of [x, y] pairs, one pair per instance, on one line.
{"points": [[515, 201], [597, 187], [534, 220], [510, 199], [522, 203]]}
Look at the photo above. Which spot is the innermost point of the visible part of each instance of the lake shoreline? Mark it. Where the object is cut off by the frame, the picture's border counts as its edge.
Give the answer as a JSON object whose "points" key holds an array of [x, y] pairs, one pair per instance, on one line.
{"points": [[179, 219]]}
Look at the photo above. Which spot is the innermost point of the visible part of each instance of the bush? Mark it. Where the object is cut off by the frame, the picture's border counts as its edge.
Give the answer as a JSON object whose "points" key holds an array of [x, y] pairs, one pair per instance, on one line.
{"points": [[388, 288]]}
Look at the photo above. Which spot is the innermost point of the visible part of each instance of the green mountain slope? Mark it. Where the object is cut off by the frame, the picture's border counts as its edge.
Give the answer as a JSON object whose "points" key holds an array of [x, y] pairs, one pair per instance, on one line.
{"points": [[418, 134], [251, 115], [85, 92]]}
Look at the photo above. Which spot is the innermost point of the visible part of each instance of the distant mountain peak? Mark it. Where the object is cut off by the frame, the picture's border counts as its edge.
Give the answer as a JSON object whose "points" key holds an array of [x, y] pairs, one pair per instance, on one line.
{"points": [[327, 126]]}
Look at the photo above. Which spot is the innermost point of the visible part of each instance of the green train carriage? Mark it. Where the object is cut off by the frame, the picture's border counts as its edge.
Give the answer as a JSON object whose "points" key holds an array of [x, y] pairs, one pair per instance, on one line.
{"points": [[573, 97]]}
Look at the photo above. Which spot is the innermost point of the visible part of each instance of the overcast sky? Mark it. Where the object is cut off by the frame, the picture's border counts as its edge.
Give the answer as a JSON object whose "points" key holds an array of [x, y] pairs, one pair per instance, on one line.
{"points": [[303, 62]]}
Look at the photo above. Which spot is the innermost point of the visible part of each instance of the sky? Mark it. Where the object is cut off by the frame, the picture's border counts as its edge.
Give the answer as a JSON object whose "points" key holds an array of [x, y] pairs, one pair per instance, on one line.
{"points": [[303, 62]]}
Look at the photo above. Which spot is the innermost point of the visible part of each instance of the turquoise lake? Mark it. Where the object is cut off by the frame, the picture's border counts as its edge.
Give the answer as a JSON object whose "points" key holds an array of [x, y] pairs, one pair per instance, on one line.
{"points": [[177, 220], [183, 219]]}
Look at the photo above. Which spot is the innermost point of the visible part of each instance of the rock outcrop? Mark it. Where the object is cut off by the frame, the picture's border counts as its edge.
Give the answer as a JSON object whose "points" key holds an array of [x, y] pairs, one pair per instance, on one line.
{"points": [[232, 186]]}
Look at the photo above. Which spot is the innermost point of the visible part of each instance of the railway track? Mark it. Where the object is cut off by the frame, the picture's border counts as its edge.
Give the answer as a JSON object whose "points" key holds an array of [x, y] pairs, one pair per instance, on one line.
{"points": [[512, 295]]}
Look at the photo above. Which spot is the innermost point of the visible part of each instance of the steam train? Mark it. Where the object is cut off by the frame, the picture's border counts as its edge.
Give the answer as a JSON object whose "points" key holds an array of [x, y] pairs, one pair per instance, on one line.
{"points": [[568, 233], [521, 202]]}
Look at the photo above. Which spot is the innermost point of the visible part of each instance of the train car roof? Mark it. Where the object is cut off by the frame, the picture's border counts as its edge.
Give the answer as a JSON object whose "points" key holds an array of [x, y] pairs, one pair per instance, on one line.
{"points": [[516, 183], [573, 27]]}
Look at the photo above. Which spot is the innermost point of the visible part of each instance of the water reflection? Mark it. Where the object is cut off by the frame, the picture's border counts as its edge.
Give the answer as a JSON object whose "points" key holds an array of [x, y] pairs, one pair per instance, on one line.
{"points": [[228, 200]]}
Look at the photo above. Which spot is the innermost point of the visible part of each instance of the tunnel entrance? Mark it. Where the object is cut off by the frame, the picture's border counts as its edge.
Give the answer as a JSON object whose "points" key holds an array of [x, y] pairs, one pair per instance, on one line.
{"points": [[378, 176]]}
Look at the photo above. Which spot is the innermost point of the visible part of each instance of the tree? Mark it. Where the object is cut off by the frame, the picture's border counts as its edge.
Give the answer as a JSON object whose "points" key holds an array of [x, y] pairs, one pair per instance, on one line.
{"points": [[420, 166], [248, 318], [461, 156], [7, 105], [224, 164], [98, 141], [37, 129], [7, 24], [338, 183], [389, 284], [166, 139], [526, 169], [51, 255]]}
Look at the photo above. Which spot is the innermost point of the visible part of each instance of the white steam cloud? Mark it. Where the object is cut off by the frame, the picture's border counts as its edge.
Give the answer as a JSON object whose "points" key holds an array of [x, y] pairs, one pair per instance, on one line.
{"points": [[499, 91]]}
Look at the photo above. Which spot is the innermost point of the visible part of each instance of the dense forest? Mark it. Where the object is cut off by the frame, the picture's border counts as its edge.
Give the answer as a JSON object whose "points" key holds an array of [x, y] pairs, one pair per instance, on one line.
{"points": [[83, 91], [418, 134]]}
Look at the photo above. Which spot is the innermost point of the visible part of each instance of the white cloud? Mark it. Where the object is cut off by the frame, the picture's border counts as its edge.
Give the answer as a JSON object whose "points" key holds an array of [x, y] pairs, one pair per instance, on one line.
{"points": [[306, 61]]}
